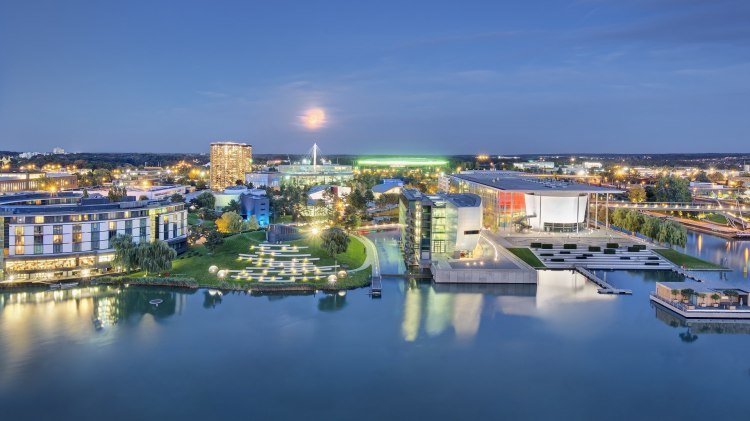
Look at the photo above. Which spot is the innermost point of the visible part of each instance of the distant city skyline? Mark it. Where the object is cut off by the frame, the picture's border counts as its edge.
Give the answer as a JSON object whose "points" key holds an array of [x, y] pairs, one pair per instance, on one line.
{"points": [[583, 76]]}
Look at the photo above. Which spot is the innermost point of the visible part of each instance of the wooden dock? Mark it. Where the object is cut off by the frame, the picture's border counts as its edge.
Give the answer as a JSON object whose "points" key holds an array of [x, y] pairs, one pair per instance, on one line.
{"points": [[688, 275], [376, 287], [605, 288]]}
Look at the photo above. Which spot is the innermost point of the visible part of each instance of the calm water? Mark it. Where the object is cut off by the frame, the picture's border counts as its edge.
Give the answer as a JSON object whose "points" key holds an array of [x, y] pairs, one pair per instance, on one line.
{"points": [[558, 349]]}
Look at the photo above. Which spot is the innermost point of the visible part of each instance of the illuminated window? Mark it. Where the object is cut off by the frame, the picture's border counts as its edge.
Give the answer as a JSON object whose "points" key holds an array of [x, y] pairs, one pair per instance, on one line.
{"points": [[39, 219]]}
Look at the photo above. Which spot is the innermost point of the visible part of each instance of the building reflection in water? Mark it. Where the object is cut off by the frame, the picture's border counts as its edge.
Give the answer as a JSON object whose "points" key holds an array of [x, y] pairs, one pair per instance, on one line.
{"points": [[690, 330], [436, 307], [73, 313]]}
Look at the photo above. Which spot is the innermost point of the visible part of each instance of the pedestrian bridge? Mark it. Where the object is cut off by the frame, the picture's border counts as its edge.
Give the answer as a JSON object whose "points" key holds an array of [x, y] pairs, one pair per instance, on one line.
{"points": [[733, 213]]}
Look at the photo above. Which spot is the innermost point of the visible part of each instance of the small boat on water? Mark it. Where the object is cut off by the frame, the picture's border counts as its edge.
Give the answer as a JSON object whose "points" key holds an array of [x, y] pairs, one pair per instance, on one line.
{"points": [[156, 301]]}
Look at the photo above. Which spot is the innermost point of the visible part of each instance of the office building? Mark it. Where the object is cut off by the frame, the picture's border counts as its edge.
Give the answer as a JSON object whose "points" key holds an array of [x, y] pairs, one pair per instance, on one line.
{"points": [[55, 236], [230, 162], [15, 182], [445, 224], [253, 203]]}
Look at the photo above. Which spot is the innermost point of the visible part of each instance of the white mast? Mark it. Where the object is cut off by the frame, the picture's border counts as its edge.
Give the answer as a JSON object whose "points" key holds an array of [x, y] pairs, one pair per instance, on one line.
{"points": [[315, 157]]}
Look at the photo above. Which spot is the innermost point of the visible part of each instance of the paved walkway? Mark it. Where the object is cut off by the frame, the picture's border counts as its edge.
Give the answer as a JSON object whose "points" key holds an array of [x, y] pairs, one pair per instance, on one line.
{"points": [[371, 256]]}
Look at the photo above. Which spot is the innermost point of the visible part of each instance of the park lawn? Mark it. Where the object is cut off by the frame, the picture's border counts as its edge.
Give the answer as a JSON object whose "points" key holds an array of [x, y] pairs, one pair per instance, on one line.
{"points": [[196, 261], [193, 219], [716, 219], [527, 256], [682, 259]]}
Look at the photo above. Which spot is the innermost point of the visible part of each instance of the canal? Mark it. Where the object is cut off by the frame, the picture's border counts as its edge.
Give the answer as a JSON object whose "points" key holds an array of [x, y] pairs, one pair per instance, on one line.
{"points": [[555, 350]]}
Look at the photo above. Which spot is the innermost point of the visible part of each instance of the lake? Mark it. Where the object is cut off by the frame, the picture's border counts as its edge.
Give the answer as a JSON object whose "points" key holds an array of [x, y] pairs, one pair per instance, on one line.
{"points": [[421, 351]]}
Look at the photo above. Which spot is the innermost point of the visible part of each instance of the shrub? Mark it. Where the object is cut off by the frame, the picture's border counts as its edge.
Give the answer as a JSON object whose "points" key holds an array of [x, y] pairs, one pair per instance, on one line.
{"points": [[564, 252], [547, 246], [624, 257], [570, 246], [580, 257], [612, 245], [536, 245], [610, 251], [595, 248]]}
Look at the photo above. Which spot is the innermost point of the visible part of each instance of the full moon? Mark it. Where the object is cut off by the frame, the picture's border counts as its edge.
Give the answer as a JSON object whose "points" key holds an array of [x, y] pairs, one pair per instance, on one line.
{"points": [[314, 118]]}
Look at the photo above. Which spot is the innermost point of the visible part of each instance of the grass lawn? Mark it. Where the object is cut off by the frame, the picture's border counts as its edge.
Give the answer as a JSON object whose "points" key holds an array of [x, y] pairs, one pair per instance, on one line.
{"points": [[527, 256], [716, 219], [690, 262], [193, 219], [196, 261]]}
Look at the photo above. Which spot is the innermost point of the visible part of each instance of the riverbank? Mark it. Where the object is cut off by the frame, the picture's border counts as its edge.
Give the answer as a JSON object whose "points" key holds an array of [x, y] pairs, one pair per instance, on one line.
{"points": [[686, 261]]}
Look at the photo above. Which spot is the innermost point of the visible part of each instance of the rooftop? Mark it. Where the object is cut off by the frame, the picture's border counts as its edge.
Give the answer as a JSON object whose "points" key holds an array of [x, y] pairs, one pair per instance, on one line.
{"points": [[527, 183]]}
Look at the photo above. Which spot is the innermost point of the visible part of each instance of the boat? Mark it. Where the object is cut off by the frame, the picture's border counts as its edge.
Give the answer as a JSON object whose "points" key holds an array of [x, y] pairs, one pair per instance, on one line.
{"points": [[156, 301]]}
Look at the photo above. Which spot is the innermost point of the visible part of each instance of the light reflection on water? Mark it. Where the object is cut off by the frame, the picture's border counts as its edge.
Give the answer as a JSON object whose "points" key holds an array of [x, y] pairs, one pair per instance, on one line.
{"points": [[553, 350]]}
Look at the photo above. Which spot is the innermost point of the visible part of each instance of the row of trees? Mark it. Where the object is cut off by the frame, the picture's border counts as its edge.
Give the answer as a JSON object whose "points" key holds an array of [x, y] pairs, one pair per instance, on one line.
{"points": [[151, 257], [666, 189], [659, 229]]}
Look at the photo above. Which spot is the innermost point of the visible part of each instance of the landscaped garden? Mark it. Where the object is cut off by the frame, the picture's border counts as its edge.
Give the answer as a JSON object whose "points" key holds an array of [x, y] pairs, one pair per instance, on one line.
{"points": [[683, 260], [196, 261]]}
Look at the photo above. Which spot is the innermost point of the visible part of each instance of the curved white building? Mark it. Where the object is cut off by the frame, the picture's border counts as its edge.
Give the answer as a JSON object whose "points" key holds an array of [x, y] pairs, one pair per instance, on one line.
{"points": [[514, 201]]}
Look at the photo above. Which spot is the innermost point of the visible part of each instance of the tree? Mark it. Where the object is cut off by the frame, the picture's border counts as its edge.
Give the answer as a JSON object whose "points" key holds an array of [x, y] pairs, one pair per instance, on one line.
{"points": [[126, 252], [213, 240], [716, 298], [196, 232], [116, 194], [352, 221], [637, 194], [369, 196], [672, 233], [143, 197], [251, 224], [650, 227], [634, 221], [156, 256], [335, 241], [232, 206], [176, 198], [686, 294], [229, 223], [85, 194], [672, 189], [702, 177], [204, 200]]}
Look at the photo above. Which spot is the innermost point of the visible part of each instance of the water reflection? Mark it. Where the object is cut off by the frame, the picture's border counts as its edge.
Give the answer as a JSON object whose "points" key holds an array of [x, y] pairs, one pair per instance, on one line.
{"points": [[72, 314], [211, 298], [332, 302], [694, 327], [732, 254], [434, 308]]}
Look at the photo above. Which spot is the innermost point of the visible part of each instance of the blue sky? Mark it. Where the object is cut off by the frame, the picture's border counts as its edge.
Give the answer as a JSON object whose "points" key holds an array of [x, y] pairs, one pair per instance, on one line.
{"points": [[505, 77]]}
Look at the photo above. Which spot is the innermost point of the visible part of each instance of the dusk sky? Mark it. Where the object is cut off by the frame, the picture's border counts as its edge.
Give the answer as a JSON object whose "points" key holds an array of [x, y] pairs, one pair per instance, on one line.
{"points": [[501, 77]]}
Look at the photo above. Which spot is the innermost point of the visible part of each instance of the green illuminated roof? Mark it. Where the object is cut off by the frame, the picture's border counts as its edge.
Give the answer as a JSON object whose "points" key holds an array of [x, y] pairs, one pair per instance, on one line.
{"points": [[403, 162]]}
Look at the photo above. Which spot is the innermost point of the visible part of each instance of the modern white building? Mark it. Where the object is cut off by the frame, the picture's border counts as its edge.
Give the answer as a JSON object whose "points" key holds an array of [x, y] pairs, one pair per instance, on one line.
{"points": [[53, 236], [150, 193], [514, 201], [445, 224]]}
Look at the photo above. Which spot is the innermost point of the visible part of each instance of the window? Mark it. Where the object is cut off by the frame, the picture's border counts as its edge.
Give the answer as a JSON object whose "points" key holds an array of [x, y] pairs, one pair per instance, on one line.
{"points": [[166, 227], [38, 239], [112, 233], [77, 237], [144, 224], [57, 239], [38, 219], [129, 227], [471, 232], [95, 236]]}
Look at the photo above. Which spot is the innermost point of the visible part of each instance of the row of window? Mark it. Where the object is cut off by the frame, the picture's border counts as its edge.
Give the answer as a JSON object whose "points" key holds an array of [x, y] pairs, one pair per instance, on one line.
{"points": [[47, 219]]}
